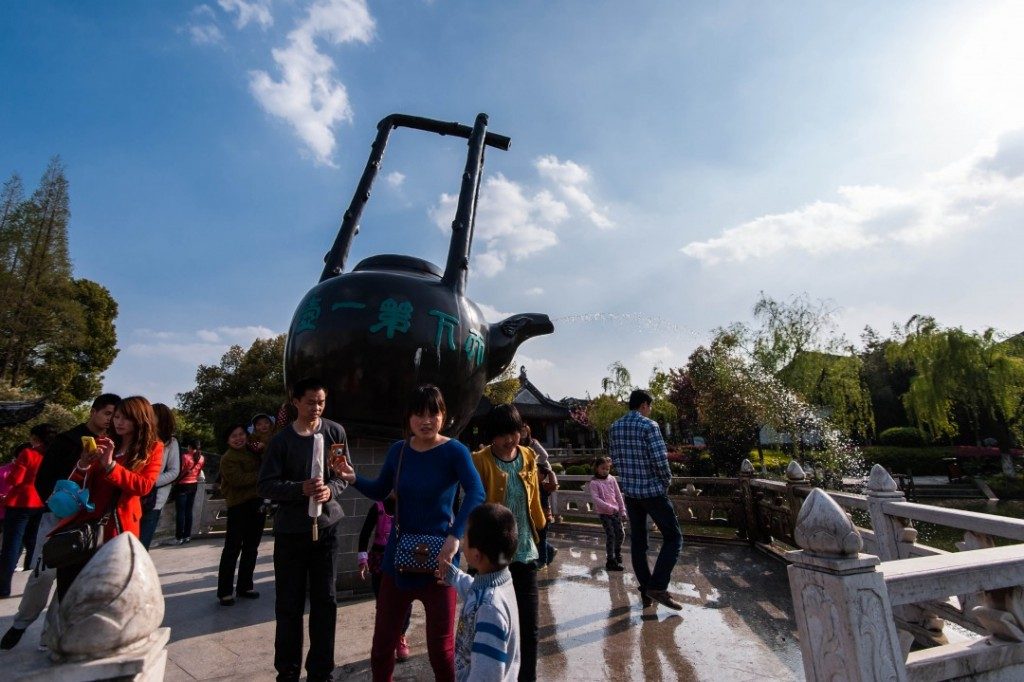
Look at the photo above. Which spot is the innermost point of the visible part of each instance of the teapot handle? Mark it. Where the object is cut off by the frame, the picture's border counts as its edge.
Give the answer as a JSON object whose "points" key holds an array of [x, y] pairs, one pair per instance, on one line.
{"points": [[458, 253]]}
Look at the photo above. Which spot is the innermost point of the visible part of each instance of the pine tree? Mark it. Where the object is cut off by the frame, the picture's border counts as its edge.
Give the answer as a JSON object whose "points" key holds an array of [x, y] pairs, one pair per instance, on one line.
{"points": [[38, 299], [57, 334]]}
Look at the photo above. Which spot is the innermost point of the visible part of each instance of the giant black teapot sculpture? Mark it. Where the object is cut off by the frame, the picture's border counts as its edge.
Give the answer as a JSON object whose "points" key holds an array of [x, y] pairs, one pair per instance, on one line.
{"points": [[395, 322]]}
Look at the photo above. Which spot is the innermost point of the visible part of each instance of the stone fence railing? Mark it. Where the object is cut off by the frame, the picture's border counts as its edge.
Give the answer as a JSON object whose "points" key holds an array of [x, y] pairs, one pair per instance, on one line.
{"points": [[859, 614]]}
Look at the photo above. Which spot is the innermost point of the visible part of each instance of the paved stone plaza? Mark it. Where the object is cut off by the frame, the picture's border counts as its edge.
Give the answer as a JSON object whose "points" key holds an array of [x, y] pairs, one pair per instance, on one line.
{"points": [[736, 623]]}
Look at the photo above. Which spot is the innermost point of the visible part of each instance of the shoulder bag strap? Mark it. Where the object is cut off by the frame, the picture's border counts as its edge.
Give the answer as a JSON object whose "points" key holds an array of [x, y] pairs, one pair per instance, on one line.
{"points": [[401, 456]]}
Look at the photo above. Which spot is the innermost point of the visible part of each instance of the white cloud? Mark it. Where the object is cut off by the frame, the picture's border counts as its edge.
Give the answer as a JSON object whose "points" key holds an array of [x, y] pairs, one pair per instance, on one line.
{"points": [[253, 10], [656, 356], [534, 291], [492, 314], [308, 95], [944, 203], [205, 34], [395, 179], [539, 364], [203, 11], [509, 223], [203, 346], [570, 178]]}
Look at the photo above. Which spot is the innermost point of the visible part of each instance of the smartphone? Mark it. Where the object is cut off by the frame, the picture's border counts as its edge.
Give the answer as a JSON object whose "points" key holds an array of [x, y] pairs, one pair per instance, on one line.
{"points": [[338, 454]]}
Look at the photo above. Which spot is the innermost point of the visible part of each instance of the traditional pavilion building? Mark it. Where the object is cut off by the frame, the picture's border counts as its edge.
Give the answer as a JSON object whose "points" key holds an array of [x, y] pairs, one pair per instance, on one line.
{"points": [[545, 416]]}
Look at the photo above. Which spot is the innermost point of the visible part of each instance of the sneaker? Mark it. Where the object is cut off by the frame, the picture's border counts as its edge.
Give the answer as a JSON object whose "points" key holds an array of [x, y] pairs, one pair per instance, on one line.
{"points": [[227, 601], [552, 553], [665, 599], [611, 565], [647, 601], [11, 638], [187, 540], [402, 651], [249, 594]]}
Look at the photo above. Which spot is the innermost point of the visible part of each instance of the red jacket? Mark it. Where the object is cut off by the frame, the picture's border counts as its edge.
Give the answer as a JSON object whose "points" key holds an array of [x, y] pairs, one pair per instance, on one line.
{"points": [[22, 479], [133, 485]]}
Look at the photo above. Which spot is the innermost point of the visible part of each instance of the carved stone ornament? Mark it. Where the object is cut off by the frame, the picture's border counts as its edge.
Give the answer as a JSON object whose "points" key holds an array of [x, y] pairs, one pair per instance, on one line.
{"points": [[1003, 613], [824, 529], [746, 467], [881, 481], [111, 609], [794, 472]]}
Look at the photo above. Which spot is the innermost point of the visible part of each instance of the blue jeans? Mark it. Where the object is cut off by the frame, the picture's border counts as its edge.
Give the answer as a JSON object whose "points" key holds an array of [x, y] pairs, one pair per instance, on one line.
{"points": [[147, 526], [20, 527], [184, 497], [660, 510], [543, 548]]}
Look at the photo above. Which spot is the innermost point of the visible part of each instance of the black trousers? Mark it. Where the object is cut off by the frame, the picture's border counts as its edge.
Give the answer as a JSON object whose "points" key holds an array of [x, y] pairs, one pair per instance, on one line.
{"points": [[524, 583], [245, 529], [299, 562]]}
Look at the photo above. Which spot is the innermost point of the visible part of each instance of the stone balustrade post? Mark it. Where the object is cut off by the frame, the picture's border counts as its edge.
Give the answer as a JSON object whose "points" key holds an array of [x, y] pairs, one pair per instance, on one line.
{"points": [[750, 532], [840, 600], [795, 478], [894, 538], [890, 532]]}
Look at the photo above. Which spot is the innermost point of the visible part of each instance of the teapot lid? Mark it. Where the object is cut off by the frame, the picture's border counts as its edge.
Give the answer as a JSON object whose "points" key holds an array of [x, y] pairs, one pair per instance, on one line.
{"points": [[390, 261]]}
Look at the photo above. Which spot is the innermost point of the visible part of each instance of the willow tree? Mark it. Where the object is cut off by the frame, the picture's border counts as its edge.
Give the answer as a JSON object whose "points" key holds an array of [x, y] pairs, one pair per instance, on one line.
{"points": [[504, 388], [978, 373], [836, 383]]}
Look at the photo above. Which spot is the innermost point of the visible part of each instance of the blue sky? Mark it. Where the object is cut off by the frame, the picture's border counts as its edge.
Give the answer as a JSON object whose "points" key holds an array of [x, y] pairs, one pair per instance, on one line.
{"points": [[669, 161]]}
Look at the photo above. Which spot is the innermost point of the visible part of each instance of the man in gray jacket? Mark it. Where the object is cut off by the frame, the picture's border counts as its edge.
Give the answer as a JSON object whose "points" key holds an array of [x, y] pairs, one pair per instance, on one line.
{"points": [[300, 561]]}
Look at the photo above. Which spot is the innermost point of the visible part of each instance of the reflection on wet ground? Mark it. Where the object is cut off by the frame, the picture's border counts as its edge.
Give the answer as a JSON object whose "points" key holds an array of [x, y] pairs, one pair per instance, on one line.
{"points": [[736, 622]]}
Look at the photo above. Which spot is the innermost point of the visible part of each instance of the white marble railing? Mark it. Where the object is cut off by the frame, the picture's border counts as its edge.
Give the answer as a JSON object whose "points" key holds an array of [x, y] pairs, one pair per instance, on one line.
{"points": [[859, 614]]}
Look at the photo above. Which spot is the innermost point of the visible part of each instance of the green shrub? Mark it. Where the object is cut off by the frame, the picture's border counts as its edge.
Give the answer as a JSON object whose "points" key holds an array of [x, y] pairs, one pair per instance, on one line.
{"points": [[702, 465], [902, 436], [1007, 487], [557, 468], [923, 461], [578, 470]]}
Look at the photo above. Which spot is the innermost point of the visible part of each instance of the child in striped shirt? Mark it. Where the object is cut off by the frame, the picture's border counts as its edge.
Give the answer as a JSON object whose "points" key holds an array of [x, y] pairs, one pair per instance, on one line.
{"points": [[487, 637]]}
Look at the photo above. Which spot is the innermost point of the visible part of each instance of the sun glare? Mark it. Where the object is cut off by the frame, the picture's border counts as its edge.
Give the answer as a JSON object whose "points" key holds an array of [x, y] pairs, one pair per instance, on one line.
{"points": [[986, 68]]}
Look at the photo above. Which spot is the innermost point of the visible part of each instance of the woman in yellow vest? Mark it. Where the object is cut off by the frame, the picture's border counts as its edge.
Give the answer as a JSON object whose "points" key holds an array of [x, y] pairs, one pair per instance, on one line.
{"points": [[509, 473]]}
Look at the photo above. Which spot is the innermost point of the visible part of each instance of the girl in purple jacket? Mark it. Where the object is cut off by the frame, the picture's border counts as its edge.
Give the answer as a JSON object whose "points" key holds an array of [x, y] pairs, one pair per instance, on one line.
{"points": [[378, 525], [609, 505]]}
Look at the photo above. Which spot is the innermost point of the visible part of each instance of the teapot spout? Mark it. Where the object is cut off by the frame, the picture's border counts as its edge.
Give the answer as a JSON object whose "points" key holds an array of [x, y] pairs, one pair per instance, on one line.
{"points": [[507, 335]]}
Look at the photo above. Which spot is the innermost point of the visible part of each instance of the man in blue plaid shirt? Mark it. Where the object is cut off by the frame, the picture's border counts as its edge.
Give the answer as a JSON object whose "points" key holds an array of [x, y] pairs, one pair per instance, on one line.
{"points": [[641, 461]]}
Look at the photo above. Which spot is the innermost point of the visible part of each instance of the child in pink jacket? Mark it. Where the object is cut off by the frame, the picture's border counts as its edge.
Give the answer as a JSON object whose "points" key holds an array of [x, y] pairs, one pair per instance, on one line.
{"points": [[609, 505]]}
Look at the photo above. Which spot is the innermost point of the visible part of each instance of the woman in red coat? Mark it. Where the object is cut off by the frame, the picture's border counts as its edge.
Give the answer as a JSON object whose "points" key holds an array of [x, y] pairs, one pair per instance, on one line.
{"points": [[127, 472], [23, 506]]}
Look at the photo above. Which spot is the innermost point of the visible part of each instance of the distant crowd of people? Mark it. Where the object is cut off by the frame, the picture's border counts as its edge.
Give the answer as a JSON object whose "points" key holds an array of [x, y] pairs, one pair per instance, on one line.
{"points": [[435, 502]]}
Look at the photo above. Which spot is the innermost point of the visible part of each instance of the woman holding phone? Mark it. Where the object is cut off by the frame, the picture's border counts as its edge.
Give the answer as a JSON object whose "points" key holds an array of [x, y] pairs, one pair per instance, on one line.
{"points": [[425, 471], [116, 477]]}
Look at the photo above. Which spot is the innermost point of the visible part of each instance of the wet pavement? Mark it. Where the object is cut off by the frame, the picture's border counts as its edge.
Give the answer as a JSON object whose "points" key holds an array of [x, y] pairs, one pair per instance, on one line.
{"points": [[736, 622]]}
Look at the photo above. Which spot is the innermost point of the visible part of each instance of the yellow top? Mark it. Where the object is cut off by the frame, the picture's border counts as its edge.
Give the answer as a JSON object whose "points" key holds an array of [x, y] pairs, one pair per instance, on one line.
{"points": [[495, 482]]}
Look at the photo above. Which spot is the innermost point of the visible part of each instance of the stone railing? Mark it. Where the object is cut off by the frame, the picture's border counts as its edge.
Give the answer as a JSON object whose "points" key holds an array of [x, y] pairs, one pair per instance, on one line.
{"points": [[859, 614], [760, 511], [700, 503]]}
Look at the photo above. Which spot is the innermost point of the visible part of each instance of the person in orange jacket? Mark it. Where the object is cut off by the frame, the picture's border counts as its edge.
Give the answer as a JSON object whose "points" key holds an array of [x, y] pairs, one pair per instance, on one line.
{"points": [[22, 504], [117, 478]]}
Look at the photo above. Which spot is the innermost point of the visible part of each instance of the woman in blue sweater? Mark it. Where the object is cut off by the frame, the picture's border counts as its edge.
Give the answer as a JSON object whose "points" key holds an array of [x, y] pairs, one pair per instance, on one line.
{"points": [[432, 469]]}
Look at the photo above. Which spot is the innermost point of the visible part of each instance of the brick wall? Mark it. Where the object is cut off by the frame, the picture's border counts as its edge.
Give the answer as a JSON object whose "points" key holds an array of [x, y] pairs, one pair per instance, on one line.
{"points": [[367, 458]]}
